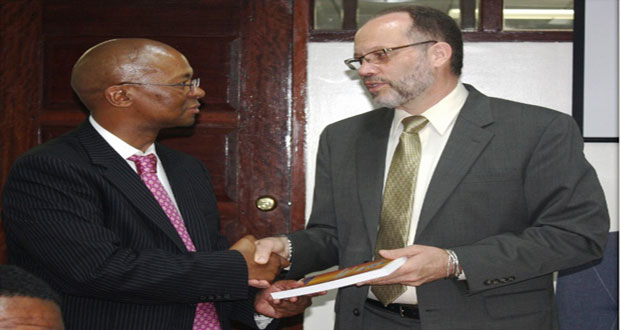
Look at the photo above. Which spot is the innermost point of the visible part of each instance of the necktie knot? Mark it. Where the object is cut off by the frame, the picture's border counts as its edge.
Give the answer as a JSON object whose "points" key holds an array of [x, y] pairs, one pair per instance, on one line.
{"points": [[414, 124], [145, 164]]}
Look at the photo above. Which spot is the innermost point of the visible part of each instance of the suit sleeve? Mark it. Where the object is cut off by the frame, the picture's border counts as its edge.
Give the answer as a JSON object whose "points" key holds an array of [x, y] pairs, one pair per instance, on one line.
{"points": [[243, 311], [569, 217], [55, 214], [316, 247]]}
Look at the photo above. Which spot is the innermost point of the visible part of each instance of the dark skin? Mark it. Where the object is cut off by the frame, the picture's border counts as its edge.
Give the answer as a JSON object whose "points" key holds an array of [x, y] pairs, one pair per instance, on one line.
{"points": [[136, 114], [28, 313], [247, 248]]}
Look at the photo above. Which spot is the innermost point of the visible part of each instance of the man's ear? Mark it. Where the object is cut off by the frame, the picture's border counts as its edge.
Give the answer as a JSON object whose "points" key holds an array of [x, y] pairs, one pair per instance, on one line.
{"points": [[440, 53], [118, 96]]}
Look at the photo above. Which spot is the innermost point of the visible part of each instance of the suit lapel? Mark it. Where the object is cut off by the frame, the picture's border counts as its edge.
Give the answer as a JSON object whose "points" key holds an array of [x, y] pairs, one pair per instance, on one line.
{"points": [[180, 182], [370, 160], [119, 173], [467, 140]]}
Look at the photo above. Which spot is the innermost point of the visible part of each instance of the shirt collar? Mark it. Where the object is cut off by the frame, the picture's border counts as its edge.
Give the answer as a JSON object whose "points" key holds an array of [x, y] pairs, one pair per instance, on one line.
{"points": [[441, 115], [123, 148]]}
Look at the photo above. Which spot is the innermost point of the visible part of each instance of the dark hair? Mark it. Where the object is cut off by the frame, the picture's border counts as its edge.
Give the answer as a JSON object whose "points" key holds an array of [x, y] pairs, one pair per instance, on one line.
{"points": [[435, 24], [15, 281]]}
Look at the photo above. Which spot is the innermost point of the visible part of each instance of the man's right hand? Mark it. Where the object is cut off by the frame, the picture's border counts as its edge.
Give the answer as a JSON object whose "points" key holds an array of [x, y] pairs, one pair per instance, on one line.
{"points": [[265, 271], [266, 247]]}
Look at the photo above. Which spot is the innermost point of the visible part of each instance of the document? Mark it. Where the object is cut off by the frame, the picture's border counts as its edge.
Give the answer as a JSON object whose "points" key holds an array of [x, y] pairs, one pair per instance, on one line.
{"points": [[343, 277]]}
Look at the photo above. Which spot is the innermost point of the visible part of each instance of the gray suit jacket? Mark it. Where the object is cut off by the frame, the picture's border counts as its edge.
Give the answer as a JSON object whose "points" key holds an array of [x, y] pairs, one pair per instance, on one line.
{"points": [[512, 195]]}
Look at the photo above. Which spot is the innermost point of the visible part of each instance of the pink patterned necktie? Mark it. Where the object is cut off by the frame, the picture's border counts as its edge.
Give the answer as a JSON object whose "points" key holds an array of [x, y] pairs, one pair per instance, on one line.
{"points": [[206, 315]]}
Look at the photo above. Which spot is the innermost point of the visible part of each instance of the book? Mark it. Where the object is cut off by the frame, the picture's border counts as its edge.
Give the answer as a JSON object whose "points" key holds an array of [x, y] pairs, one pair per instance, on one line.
{"points": [[343, 277]]}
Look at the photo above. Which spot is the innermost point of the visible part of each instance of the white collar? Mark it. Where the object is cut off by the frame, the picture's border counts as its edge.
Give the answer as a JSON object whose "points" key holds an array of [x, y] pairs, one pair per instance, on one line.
{"points": [[123, 148], [441, 115]]}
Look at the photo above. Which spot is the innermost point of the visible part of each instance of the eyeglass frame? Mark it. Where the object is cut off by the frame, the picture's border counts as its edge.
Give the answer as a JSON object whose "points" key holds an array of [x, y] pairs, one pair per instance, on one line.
{"points": [[193, 84], [386, 52]]}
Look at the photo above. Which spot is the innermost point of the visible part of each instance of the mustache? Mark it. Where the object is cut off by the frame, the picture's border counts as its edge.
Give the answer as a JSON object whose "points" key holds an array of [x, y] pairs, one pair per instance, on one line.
{"points": [[375, 80]]}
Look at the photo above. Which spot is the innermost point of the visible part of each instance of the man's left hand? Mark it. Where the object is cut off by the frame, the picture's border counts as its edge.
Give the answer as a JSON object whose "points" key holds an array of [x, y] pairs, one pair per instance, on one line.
{"points": [[278, 308], [424, 264]]}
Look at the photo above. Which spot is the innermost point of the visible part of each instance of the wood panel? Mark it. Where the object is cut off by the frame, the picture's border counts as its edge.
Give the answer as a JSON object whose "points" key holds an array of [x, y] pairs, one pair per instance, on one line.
{"points": [[207, 32], [266, 36], [20, 74], [250, 132], [301, 34]]}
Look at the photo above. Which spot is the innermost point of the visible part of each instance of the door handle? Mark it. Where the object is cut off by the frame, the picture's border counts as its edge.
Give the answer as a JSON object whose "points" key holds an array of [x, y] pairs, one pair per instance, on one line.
{"points": [[266, 203]]}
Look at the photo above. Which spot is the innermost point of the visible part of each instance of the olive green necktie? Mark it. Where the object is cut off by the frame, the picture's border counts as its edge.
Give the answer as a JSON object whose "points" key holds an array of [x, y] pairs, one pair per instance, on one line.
{"points": [[398, 199]]}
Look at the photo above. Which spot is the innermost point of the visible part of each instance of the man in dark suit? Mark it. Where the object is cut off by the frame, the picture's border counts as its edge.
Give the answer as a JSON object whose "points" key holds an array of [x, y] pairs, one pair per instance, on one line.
{"points": [[124, 228], [500, 197]]}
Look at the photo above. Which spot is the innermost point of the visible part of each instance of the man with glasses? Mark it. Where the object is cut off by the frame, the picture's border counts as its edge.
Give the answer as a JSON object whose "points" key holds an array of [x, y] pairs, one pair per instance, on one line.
{"points": [[124, 228], [485, 197]]}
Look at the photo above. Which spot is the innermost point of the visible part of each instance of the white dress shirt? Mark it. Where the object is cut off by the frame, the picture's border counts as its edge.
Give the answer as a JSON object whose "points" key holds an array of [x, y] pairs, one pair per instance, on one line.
{"points": [[433, 138], [125, 150]]}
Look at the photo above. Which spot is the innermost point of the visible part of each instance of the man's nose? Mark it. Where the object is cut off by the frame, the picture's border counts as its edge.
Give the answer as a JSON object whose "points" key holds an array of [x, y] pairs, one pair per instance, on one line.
{"points": [[197, 93], [366, 69]]}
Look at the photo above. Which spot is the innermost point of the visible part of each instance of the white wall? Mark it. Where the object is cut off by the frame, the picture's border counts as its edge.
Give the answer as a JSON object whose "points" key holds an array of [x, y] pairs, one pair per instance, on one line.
{"points": [[601, 68], [533, 72]]}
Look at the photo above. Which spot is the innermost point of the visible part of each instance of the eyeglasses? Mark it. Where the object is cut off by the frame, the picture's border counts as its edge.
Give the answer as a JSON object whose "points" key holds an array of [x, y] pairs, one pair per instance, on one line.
{"points": [[193, 84], [378, 56]]}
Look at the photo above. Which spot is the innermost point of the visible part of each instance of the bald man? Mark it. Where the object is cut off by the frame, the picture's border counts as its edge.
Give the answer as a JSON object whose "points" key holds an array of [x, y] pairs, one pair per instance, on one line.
{"points": [[26, 302], [124, 228]]}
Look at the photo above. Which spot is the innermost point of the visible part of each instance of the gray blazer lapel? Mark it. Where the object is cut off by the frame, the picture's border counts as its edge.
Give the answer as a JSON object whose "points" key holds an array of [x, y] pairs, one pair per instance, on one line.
{"points": [[370, 161], [120, 174], [467, 140]]}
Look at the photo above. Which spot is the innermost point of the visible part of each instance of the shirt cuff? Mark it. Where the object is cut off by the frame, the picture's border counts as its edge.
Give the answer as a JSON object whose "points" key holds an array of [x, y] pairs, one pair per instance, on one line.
{"points": [[262, 321], [462, 276]]}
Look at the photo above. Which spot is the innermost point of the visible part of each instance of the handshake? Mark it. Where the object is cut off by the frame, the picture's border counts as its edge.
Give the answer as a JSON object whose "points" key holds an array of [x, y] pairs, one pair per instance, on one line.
{"points": [[265, 260], [263, 273]]}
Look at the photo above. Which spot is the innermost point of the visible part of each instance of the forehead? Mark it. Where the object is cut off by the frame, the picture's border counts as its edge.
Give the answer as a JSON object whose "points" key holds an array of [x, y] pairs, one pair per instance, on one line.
{"points": [[172, 64], [384, 31]]}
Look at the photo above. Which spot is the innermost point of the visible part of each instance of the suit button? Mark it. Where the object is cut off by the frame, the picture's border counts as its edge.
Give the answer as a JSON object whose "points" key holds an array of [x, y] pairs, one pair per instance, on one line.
{"points": [[356, 312], [511, 278], [488, 282]]}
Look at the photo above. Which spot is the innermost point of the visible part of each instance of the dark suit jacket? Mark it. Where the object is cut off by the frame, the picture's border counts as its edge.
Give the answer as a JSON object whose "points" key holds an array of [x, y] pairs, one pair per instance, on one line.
{"points": [[512, 195], [587, 296], [78, 216]]}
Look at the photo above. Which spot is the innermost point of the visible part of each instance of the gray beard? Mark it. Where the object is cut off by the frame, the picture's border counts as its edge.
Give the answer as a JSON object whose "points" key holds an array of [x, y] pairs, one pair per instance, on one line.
{"points": [[407, 88]]}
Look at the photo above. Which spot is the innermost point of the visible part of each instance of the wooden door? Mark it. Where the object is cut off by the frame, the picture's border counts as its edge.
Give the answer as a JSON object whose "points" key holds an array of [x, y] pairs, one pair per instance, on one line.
{"points": [[250, 131]]}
